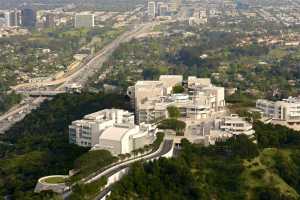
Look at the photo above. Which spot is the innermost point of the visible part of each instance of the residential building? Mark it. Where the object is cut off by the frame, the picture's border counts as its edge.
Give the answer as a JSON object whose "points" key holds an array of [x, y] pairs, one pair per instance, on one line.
{"points": [[83, 20], [111, 129], [287, 110]]}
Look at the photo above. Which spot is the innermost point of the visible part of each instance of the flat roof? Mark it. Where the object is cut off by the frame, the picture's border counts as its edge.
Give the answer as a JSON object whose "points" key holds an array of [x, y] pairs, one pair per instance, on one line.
{"points": [[148, 83], [114, 133], [170, 77]]}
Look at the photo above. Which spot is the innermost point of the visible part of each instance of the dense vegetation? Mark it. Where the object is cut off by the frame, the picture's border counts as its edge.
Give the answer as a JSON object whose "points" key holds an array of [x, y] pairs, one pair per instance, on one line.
{"points": [[91, 162], [173, 112], [87, 191], [8, 100], [198, 173], [38, 145], [173, 124], [178, 89], [233, 169], [269, 135]]}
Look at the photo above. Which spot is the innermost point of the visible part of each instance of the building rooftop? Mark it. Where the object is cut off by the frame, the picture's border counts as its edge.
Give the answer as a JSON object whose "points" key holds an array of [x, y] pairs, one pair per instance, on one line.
{"points": [[292, 100], [114, 133], [148, 83]]}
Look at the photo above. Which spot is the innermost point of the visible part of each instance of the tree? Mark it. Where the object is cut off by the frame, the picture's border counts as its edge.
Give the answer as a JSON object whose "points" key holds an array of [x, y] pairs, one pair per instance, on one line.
{"points": [[151, 73], [173, 112], [173, 124], [178, 89]]}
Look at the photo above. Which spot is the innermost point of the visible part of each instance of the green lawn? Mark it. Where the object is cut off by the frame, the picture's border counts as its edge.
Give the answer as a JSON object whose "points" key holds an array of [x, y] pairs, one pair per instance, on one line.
{"points": [[54, 180]]}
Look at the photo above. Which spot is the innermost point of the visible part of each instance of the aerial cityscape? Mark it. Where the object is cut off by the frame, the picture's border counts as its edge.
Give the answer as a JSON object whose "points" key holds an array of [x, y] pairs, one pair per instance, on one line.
{"points": [[150, 99]]}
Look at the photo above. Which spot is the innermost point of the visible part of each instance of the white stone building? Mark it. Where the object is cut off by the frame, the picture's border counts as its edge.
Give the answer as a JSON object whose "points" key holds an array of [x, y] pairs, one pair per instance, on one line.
{"points": [[152, 98], [111, 129], [235, 125], [218, 129], [286, 110]]}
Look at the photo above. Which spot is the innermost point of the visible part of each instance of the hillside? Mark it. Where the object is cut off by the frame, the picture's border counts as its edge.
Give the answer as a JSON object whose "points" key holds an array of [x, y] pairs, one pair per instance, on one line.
{"points": [[234, 169]]}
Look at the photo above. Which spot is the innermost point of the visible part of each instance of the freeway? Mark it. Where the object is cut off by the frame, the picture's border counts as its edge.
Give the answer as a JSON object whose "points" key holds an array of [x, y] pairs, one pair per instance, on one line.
{"points": [[18, 113], [80, 76]]}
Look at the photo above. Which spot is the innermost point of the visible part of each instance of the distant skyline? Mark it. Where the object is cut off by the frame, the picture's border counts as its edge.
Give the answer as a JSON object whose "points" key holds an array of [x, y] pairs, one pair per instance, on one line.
{"points": [[4, 4]]}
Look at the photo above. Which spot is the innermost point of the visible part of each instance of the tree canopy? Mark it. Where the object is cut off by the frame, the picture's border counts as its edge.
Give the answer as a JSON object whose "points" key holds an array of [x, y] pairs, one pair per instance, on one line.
{"points": [[173, 112]]}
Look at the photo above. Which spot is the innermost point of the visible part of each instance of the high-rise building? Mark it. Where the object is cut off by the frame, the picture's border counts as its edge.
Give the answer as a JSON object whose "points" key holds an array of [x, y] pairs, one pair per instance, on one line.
{"points": [[28, 17], [49, 21], [158, 5], [151, 9], [163, 10], [14, 18], [4, 19], [84, 21], [173, 5]]}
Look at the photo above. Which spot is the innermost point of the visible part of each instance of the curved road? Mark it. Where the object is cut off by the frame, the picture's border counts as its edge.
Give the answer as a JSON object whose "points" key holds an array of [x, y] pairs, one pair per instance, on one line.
{"points": [[166, 147]]}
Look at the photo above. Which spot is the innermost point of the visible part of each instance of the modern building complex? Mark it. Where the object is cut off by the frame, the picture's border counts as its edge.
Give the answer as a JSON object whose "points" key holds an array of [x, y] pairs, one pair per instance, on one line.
{"points": [[210, 131], [111, 129], [235, 125], [28, 17], [83, 20], [151, 99], [287, 110]]}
